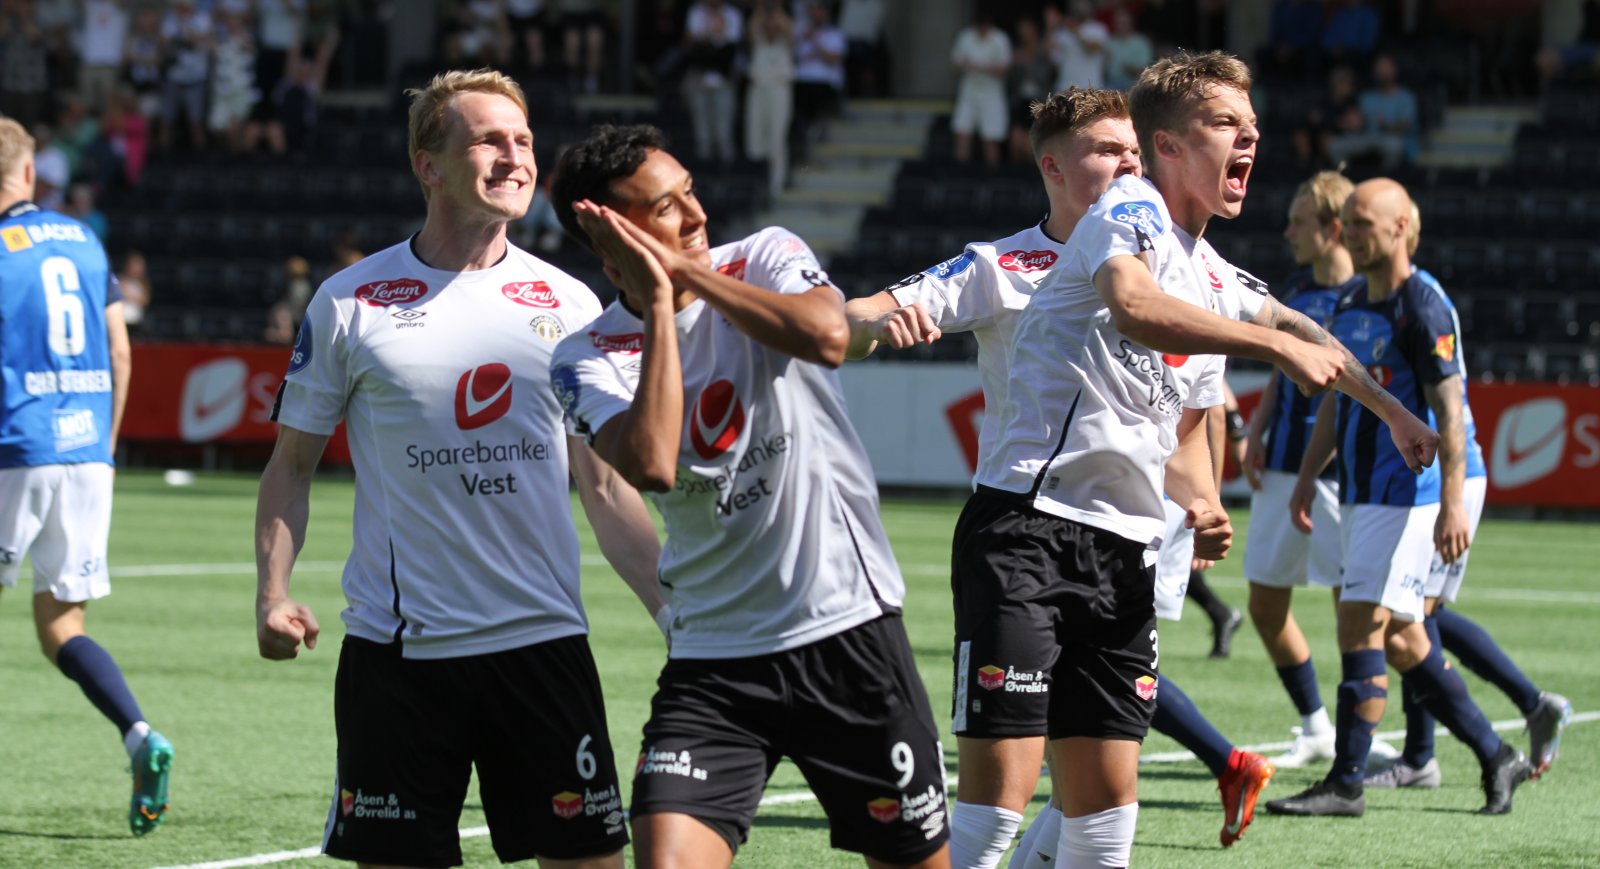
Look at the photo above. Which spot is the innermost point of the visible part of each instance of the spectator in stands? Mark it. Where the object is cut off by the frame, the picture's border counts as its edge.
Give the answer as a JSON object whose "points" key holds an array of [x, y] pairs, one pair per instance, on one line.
{"points": [[294, 112], [866, 56], [713, 31], [769, 97], [982, 55], [1581, 56], [59, 25], [1029, 80], [283, 318], [134, 279], [1390, 120], [51, 170], [1335, 114], [819, 57], [233, 80], [102, 42], [1128, 51], [320, 37], [144, 59], [76, 131], [187, 34], [24, 64], [1077, 45], [1352, 33], [1294, 38], [119, 154], [278, 27], [479, 34], [527, 21], [583, 41], [80, 206]]}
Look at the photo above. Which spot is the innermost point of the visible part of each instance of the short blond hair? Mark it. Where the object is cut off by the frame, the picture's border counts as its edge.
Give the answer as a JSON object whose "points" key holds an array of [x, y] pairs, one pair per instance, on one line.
{"points": [[1071, 110], [1168, 90], [16, 147], [1327, 191], [1414, 231], [429, 128]]}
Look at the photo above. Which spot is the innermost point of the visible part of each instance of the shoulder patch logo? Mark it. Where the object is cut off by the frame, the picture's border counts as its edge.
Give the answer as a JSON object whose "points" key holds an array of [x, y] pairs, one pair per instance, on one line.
{"points": [[16, 238], [1141, 215], [951, 267], [564, 379], [1027, 261], [300, 356], [1444, 347], [1251, 282]]}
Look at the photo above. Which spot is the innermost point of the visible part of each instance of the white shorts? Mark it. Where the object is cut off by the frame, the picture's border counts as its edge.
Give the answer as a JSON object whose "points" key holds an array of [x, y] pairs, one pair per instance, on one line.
{"points": [[1387, 551], [61, 516], [1276, 554], [987, 112], [1444, 580], [1173, 564]]}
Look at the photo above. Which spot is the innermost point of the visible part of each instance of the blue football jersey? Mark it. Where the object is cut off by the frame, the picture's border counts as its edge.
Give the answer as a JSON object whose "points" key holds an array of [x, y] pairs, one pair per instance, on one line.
{"points": [[1475, 466], [55, 283], [1406, 342], [1294, 413]]}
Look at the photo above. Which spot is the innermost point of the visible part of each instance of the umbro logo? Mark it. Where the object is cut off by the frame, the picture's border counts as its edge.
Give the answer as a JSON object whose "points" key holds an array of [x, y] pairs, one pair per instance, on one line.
{"points": [[410, 315]]}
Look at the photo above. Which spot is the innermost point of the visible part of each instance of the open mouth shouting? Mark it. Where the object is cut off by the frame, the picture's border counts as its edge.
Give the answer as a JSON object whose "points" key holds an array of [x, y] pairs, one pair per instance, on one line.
{"points": [[1239, 175]]}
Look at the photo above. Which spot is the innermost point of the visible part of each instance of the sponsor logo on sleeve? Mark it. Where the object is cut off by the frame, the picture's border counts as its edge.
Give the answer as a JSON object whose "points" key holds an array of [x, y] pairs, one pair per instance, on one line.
{"points": [[483, 395], [564, 379], [951, 267], [907, 281], [733, 269], [1145, 686], [534, 294], [1028, 261], [1444, 347], [400, 291], [1251, 282], [300, 356], [1142, 216], [16, 238], [716, 420], [631, 343], [815, 277]]}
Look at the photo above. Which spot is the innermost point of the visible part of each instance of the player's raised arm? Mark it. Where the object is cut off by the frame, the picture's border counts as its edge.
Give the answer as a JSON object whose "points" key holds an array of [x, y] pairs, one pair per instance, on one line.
{"points": [[880, 318], [283, 506], [1416, 442]]}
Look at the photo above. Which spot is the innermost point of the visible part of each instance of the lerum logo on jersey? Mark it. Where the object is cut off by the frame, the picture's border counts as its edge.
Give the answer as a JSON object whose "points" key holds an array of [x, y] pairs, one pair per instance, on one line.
{"points": [[483, 395]]}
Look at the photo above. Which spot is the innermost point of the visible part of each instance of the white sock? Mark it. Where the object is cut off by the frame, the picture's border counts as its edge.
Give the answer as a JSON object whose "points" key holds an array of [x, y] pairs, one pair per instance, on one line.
{"points": [[135, 737], [1316, 723], [980, 834], [1097, 841], [1037, 850]]}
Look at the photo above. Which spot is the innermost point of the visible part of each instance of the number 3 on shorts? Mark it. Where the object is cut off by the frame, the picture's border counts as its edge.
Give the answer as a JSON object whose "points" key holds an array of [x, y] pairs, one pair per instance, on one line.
{"points": [[1155, 649]]}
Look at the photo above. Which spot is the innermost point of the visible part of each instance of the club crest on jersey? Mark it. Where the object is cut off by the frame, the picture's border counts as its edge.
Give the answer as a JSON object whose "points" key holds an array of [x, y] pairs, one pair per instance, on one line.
{"points": [[534, 294], [716, 420], [483, 395], [547, 327], [1140, 215], [951, 267], [1444, 347], [632, 343], [382, 294], [300, 356], [1027, 261]]}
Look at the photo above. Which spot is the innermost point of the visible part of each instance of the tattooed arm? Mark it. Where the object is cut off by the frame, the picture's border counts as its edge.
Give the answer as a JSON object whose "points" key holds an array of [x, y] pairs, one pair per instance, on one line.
{"points": [[1453, 531]]}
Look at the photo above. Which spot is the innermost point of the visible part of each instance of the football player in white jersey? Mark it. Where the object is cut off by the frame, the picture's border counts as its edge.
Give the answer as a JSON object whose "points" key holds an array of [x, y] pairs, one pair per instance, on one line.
{"points": [[708, 383], [1113, 363], [466, 641]]}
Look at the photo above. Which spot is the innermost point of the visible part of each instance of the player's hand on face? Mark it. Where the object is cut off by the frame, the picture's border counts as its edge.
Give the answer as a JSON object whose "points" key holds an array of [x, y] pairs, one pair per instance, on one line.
{"points": [[1254, 460], [282, 626], [1300, 501], [1452, 532], [628, 264], [904, 327], [1213, 530], [1313, 367], [1416, 442]]}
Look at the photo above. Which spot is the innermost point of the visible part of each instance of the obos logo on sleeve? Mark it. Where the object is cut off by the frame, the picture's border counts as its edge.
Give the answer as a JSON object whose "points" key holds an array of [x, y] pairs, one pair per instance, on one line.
{"points": [[716, 420], [952, 266], [1142, 215], [564, 380], [483, 395], [300, 357]]}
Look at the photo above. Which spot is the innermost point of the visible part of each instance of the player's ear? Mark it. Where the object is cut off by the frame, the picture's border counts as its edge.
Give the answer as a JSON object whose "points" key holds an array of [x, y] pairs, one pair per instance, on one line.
{"points": [[426, 169], [1050, 167], [1166, 144]]}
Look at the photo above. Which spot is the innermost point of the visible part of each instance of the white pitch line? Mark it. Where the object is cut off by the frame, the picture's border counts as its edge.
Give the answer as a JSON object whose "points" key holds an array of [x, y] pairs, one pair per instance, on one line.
{"points": [[807, 796]]}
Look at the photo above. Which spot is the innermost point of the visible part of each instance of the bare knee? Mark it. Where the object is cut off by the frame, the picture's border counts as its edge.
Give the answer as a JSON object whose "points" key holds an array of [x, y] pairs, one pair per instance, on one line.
{"points": [[1269, 608], [1406, 646], [56, 622]]}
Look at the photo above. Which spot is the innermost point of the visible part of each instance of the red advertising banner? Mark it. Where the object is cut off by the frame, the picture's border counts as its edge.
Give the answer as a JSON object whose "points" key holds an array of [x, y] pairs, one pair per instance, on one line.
{"points": [[205, 393], [1541, 443]]}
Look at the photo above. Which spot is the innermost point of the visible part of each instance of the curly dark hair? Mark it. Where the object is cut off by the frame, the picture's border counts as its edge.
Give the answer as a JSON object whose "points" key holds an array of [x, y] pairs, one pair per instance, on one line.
{"points": [[587, 169]]}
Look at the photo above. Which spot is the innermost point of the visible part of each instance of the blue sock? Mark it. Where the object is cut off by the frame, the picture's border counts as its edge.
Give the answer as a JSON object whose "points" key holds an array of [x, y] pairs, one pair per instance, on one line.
{"points": [[1419, 724], [1300, 680], [1478, 652], [1353, 738], [1445, 695], [1177, 717], [83, 661]]}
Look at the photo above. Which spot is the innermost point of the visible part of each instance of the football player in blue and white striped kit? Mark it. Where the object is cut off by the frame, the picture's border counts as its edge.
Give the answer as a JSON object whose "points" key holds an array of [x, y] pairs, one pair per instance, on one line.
{"points": [[66, 367], [1393, 519]]}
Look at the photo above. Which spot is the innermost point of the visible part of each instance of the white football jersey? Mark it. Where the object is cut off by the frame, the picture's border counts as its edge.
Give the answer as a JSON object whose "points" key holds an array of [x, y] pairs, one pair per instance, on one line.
{"points": [[773, 535], [981, 291], [1093, 416], [463, 540]]}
